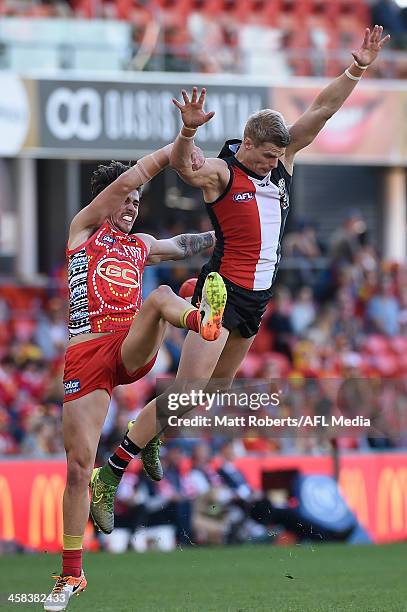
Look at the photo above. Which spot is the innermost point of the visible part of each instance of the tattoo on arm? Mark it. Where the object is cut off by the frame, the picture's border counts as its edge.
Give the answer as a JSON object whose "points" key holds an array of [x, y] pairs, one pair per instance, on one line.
{"points": [[192, 244]]}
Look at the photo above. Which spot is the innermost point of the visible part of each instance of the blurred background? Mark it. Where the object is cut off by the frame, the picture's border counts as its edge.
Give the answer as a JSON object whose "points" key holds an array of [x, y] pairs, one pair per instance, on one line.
{"points": [[91, 80]]}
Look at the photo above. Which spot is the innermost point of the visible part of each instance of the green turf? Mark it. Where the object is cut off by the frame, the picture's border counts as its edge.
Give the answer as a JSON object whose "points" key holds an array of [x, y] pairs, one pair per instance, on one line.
{"points": [[330, 578]]}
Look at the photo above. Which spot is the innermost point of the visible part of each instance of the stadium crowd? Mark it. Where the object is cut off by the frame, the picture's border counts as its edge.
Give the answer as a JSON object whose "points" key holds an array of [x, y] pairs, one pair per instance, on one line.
{"points": [[304, 37], [346, 321]]}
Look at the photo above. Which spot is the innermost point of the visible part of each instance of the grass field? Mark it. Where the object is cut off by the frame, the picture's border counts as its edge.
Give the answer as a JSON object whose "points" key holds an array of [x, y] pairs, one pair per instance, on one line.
{"points": [[330, 578]]}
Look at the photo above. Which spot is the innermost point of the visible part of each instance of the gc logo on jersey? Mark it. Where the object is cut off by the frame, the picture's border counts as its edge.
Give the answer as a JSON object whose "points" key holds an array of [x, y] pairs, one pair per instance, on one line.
{"points": [[119, 272], [245, 196]]}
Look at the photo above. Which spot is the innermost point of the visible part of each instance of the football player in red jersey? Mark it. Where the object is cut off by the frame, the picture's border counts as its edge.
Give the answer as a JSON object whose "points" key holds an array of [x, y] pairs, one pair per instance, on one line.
{"points": [[114, 339], [246, 192]]}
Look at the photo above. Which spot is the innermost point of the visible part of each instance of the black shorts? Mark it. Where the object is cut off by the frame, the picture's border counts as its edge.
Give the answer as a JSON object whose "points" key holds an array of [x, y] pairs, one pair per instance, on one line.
{"points": [[244, 307]]}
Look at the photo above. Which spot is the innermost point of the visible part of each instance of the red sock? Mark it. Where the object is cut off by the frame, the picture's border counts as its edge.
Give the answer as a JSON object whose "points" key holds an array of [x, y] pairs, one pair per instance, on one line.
{"points": [[72, 563], [193, 320]]}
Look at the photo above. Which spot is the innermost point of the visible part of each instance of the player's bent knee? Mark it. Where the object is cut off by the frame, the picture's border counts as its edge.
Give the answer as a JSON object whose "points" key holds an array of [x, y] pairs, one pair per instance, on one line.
{"points": [[163, 292], [159, 296], [79, 471]]}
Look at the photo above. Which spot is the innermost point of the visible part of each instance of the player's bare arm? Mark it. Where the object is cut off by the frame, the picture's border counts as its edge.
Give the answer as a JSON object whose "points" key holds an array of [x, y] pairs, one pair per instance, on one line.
{"points": [[122, 189], [111, 198], [213, 176], [178, 247], [330, 100]]}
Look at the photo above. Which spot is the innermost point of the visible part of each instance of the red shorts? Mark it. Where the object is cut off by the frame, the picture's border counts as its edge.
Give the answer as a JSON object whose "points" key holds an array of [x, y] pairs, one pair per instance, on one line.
{"points": [[97, 364]]}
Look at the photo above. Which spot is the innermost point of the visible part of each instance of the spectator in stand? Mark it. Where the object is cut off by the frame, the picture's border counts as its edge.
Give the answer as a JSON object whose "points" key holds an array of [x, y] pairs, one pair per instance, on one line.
{"points": [[175, 487], [383, 310], [348, 239], [8, 443], [367, 259], [303, 311], [403, 310], [303, 245], [346, 324], [8, 381], [367, 288], [4, 310], [210, 519], [321, 331], [279, 322], [43, 438], [51, 333], [303, 242]]}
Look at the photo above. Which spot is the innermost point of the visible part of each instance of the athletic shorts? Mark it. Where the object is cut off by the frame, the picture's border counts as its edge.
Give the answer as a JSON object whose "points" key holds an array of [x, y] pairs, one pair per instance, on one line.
{"points": [[97, 364], [244, 307]]}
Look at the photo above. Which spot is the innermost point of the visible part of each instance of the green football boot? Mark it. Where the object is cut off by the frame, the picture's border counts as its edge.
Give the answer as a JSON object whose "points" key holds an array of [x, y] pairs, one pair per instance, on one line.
{"points": [[212, 306], [102, 502], [150, 457]]}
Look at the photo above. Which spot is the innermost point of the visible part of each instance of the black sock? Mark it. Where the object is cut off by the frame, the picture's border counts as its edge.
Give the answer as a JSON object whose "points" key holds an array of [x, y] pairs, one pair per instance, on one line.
{"points": [[121, 458]]}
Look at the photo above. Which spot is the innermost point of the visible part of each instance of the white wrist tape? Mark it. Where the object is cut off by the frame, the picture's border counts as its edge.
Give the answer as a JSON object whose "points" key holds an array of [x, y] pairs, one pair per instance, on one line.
{"points": [[186, 137], [359, 66], [351, 76], [191, 132]]}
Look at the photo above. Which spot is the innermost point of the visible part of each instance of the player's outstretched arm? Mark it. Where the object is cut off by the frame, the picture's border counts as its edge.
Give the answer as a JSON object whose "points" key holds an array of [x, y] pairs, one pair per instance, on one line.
{"points": [[330, 100], [178, 247], [213, 176], [111, 198]]}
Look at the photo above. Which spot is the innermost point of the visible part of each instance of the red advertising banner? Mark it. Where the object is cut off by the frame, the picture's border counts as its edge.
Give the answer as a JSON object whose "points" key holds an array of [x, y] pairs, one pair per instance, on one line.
{"points": [[365, 130], [375, 487], [31, 503]]}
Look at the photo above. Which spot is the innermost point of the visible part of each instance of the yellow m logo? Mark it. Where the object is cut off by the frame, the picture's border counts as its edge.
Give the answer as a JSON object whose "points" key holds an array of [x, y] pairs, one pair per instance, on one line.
{"points": [[45, 518], [391, 515], [6, 511], [353, 486]]}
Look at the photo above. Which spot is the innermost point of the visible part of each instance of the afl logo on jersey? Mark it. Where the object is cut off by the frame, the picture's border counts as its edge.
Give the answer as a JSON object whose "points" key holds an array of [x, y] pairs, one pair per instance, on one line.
{"points": [[243, 197], [119, 272]]}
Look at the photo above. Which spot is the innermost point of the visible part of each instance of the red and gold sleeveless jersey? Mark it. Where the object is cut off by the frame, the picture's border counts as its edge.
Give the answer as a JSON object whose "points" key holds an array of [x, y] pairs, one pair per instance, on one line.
{"points": [[104, 279]]}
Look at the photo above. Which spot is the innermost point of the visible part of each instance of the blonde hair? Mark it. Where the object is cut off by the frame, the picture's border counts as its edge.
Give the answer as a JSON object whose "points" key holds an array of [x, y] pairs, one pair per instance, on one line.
{"points": [[267, 126]]}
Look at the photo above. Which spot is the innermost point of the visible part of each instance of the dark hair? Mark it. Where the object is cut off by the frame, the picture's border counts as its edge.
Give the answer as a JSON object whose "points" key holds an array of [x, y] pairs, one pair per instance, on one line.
{"points": [[104, 175]]}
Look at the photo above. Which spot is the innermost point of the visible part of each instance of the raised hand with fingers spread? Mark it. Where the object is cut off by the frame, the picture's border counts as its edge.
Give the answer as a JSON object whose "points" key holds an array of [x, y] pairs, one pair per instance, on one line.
{"points": [[192, 113], [370, 47]]}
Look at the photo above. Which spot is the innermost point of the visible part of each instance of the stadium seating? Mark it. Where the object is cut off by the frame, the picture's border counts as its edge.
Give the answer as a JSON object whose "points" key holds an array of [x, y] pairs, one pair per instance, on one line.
{"points": [[311, 33]]}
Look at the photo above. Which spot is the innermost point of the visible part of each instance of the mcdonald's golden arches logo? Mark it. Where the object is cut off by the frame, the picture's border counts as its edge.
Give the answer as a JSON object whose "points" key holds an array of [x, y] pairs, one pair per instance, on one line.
{"points": [[6, 511], [391, 515], [45, 518], [353, 486]]}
